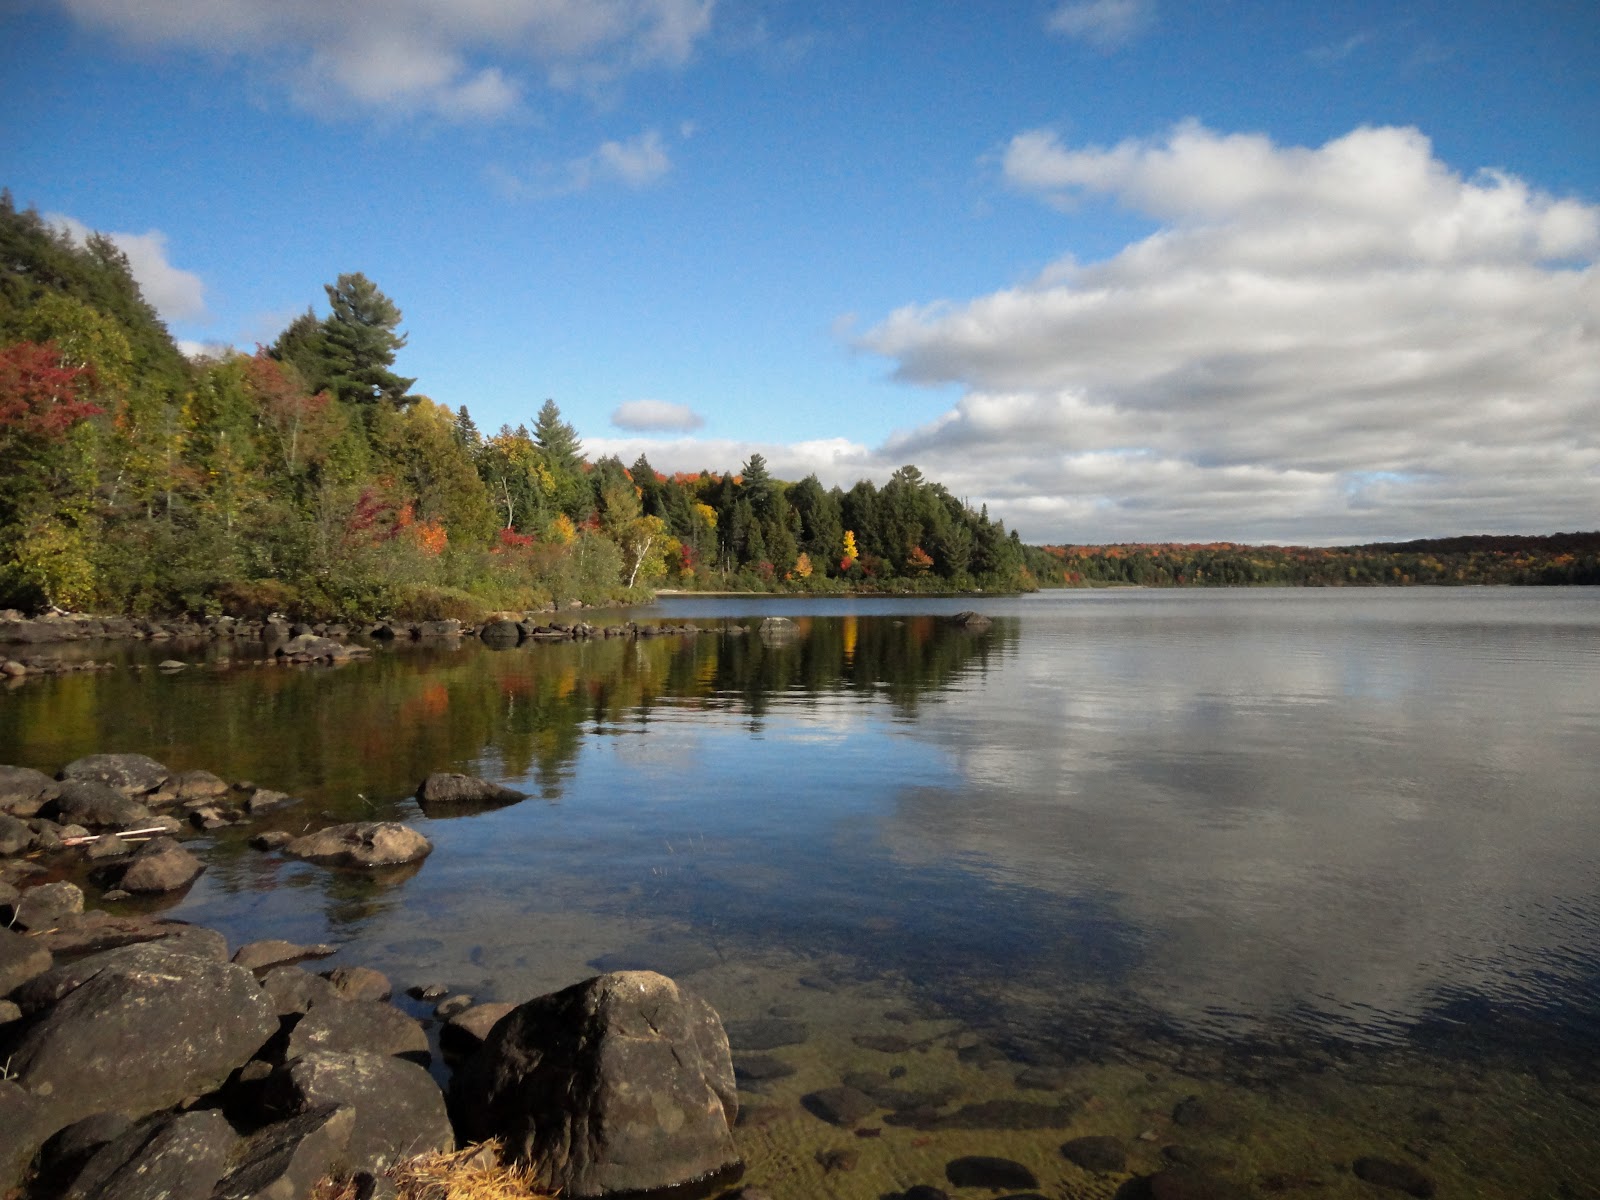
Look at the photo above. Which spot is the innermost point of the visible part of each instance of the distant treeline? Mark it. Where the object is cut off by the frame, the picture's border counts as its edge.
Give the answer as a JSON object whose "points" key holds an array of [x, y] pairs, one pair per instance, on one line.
{"points": [[308, 477], [1571, 558]]}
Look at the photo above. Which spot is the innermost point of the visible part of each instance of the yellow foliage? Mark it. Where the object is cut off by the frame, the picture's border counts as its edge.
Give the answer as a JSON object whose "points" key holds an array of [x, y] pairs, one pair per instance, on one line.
{"points": [[562, 531], [707, 514], [802, 565], [850, 544]]}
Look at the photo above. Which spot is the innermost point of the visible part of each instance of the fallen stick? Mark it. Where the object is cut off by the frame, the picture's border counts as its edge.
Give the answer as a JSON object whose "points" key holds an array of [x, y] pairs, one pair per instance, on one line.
{"points": [[126, 835]]}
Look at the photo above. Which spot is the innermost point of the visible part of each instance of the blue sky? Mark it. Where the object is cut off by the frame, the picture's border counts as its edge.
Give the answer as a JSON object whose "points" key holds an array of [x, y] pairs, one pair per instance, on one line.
{"points": [[1121, 269]]}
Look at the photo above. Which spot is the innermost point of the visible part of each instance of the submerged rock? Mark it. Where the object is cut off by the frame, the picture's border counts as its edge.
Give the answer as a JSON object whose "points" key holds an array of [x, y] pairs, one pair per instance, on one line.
{"points": [[1096, 1153], [981, 1171], [362, 844], [1399, 1177]]}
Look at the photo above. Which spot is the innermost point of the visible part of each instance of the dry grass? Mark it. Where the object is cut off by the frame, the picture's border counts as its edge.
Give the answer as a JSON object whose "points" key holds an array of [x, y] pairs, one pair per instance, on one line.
{"points": [[474, 1173]]}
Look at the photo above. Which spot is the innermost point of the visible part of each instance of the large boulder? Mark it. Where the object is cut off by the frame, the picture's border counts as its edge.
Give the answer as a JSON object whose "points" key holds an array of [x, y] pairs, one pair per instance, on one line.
{"points": [[399, 1108], [160, 866], [972, 622], [308, 647], [24, 791], [501, 634], [620, 1083], [21, 1132], [39, 908], [150, 1027], [776, 630], [130, 774], [96, 805], [374, 1026], [173, 1156], [284, 1161], [447, 791], [362, 844]]}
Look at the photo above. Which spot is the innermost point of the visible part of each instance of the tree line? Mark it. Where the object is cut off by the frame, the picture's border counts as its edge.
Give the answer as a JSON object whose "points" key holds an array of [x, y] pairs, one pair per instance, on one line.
{"points": [[1561, 558], [310, 478]]}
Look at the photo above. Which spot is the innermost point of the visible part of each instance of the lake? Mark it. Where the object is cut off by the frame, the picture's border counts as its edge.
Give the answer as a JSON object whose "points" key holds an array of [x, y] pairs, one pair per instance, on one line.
{"points": [[1261, 880]]}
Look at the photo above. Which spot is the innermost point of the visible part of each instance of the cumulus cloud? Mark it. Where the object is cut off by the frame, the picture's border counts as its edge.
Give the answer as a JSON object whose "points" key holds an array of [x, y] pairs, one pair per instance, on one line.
{"points": [[1319, 344], [647, 416], [176, 294], [1104, 24], [459, 59], [835, 461]]}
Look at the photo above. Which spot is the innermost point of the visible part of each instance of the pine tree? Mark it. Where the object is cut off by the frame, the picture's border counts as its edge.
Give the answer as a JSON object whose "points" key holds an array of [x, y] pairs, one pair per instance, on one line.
{"points": [[359, 343]]}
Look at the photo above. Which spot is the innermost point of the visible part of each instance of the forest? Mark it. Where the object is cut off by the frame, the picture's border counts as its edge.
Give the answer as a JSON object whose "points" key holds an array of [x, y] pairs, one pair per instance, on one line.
{"points": [[309, 478], [1570, 558]]}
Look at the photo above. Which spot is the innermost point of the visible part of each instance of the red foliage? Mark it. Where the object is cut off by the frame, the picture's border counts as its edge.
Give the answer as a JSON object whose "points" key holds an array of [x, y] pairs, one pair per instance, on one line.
{"points": [[510, 539], [39, 398]]}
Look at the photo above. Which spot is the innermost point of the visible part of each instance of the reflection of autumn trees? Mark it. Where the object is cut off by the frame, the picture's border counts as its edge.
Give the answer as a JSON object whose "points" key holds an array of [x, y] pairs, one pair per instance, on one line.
{"points": [[356, 740]]}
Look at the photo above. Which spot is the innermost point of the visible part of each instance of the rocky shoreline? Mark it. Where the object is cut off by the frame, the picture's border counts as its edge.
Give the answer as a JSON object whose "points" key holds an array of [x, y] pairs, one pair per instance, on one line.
{"points": [[281, 641], [141, 1057]]}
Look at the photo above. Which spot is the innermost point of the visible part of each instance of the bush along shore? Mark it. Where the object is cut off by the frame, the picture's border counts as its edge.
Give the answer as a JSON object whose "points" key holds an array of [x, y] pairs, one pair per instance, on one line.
{"points": [[143, 1058], [283, 642]]}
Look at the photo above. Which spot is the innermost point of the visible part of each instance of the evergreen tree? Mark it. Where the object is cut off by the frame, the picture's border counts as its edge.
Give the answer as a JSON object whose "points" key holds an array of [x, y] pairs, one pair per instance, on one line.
{"points": [[359, 343], [557, 439]]}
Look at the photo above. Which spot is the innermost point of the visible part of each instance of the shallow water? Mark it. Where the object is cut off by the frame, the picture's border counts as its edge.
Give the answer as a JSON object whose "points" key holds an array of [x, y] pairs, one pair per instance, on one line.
{"points": [[1326, 859]]}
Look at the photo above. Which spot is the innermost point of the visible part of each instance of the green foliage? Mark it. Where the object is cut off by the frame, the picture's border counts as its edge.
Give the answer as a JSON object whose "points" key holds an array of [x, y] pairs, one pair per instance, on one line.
{"points": [[307, 479], [1562, 558]]}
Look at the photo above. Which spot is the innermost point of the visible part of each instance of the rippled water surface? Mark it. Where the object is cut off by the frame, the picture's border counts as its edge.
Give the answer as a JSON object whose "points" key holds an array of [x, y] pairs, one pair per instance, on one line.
{"points": [[1326, 859]]}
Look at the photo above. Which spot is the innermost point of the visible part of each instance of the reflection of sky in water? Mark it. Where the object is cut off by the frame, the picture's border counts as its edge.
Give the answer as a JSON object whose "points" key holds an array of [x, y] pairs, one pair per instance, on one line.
{"points": [[1228, 810]]}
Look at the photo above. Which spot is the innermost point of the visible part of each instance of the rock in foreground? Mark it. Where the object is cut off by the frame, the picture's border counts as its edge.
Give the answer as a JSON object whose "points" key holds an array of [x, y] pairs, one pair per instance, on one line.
{"points": [[621, 1083]]}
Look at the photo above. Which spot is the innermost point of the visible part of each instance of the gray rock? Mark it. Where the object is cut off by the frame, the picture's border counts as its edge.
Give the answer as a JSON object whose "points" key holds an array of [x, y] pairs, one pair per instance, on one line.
{"points": [[363, 844], [41, 907], [309, 647], [293, 990], [96, 805], [130, 774], [15, 836], [974, 622], [266, 800], [274, 952], [91, 932], [760, 1068], [775, 630], [465, 1031], [161, 865], [24, 791], [500, 635], [284, 1161], [64, 1155], [272, 839], [399, 1108], [620, 1083], [446, 790], [372, 1026], [167, 1157], [150, 1026], [21, 959], [21, 1132], [450, 1007], [196, 785], [359, 983], [108, 846]]}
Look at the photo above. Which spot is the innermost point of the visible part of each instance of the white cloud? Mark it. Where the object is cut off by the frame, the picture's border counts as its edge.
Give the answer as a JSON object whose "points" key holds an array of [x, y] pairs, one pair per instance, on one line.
{"points": [[1104, 24], [459, 59], [636, 162], [175, 294], [1317, 344], [647, 416]]}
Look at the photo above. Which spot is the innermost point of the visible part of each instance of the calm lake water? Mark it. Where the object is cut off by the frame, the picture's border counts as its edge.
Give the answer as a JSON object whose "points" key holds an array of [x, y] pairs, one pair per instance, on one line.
{"points": [[1327, 860]]}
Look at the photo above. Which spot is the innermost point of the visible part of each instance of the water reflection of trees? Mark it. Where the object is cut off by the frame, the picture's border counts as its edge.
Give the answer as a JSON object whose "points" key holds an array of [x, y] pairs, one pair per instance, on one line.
{"points": [[356, 740]]}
